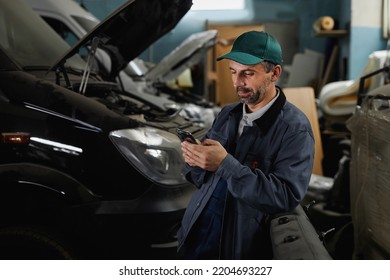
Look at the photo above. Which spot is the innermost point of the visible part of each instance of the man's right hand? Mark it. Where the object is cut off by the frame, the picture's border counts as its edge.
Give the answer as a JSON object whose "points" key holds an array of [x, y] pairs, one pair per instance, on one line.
{"points": [[208, 155]]}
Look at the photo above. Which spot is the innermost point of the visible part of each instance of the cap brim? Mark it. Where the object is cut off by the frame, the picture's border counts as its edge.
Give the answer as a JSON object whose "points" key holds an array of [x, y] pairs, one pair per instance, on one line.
{"points": [[242, 58]]}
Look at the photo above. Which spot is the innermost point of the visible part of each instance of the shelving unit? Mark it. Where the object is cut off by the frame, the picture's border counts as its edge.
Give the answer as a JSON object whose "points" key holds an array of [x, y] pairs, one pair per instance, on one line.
{"points": [[337, 33], [332, 33]]}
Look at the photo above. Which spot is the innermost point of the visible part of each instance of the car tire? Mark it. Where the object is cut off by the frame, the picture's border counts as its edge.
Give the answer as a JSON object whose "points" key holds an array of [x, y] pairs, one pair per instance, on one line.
{"points": [[27, 243]]}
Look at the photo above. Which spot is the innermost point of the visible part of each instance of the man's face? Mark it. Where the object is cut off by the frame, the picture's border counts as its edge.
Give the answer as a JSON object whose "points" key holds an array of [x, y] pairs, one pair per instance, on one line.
{"points": [[252, 83]]}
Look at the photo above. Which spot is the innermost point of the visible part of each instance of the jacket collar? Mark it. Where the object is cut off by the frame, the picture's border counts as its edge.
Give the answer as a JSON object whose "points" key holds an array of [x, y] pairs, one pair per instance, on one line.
{"points": [[265, 121]]}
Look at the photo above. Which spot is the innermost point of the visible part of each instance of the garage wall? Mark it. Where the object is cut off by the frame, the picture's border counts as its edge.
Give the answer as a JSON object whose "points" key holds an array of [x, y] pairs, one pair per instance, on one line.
{"points": [[365, 35], [300, 13], [362, 18]]}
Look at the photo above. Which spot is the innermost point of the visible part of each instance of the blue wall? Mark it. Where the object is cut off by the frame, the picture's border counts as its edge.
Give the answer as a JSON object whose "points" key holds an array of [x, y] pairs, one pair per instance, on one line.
{"points": [[366, 40], [303, 12]]}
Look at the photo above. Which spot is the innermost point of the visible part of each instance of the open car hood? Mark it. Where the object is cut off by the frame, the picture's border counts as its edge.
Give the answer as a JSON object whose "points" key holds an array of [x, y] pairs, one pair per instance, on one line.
{"points": [[130, 29], [190, 52]]}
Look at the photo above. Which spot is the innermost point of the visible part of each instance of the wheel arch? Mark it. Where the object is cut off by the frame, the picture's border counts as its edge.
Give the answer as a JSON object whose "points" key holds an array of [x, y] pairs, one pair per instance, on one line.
{"points": [[33, 192]]}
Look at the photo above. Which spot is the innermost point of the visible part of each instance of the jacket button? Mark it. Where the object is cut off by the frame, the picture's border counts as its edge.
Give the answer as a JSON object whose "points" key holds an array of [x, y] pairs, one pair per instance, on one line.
{"points": [[290, 238], [283, 220]]}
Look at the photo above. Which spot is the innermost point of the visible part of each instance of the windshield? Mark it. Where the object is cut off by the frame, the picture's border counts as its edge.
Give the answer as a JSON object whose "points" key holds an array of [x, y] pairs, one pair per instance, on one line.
{"points": [[28, 40]]}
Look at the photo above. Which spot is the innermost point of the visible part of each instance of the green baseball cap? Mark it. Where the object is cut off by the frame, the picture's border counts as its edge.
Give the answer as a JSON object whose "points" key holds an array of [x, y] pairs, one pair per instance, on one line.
{"points": [[253, 47]]}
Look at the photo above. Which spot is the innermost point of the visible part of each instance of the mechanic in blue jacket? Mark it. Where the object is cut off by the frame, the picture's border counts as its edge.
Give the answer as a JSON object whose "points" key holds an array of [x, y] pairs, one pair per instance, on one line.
{"points": [[256, 160]]}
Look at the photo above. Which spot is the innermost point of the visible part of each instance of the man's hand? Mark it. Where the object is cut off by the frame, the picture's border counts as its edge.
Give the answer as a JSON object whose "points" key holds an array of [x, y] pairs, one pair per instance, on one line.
{"points": [[208, 155]]}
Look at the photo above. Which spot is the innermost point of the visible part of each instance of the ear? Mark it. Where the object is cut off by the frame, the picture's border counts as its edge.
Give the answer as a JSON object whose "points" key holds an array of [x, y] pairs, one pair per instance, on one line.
{"points": [[276, 72]]}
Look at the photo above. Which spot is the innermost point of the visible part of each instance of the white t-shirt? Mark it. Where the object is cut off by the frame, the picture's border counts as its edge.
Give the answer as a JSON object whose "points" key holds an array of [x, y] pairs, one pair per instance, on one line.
{"points": [[248, 118]]}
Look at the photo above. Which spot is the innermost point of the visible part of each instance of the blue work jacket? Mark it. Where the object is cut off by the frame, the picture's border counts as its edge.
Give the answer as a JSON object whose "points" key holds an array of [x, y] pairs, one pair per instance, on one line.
{"points": [[267, 171]]}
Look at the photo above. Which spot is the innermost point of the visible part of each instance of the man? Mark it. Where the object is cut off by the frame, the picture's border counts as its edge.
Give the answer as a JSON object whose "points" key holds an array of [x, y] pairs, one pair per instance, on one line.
{"points": [[256, 160]]}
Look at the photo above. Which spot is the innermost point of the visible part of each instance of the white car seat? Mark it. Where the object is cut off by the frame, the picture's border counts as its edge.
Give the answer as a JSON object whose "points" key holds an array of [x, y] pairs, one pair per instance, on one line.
{"points": [[339, 98]]}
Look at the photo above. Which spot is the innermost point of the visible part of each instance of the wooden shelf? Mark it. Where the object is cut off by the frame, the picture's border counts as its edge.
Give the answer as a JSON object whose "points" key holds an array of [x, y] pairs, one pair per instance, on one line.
{"points": [[332, 33]]}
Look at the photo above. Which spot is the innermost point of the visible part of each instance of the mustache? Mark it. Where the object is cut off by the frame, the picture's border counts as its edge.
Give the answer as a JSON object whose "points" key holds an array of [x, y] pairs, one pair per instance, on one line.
{"points": [[244, 89]]}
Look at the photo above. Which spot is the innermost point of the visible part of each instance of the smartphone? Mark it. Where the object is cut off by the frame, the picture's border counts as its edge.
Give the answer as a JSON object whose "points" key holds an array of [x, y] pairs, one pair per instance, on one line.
{"points": [[185, 136]]}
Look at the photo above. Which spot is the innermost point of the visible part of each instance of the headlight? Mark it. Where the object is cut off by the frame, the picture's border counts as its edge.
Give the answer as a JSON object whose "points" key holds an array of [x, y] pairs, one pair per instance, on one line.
{"points": [[153, 152]]}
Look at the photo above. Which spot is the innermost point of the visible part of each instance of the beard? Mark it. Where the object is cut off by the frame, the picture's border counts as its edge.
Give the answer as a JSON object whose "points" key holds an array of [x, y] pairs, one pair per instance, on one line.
{"points": [[252, 96]]}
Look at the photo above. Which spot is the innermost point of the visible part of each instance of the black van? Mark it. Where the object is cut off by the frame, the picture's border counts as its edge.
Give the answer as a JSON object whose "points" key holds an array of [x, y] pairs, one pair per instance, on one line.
{"points": [[86, 171]]}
